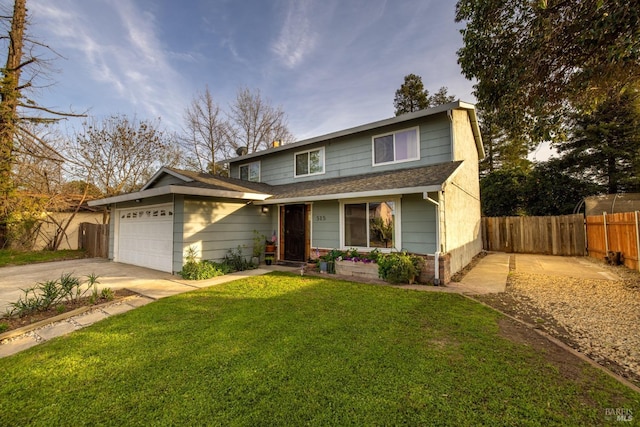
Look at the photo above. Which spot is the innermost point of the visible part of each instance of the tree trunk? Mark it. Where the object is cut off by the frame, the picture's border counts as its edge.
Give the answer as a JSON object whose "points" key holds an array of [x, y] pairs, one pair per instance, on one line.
{"points": [[9, 98]]}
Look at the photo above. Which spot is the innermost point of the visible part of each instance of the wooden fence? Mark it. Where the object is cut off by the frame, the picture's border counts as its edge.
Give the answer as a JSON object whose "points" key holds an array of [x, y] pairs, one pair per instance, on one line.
{"points": [[552, 235], [614, 233], [94, 238]]}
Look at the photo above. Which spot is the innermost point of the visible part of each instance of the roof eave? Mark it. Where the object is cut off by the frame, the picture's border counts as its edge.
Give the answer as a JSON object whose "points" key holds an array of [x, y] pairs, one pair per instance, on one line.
{"points": [[355, 195], [177, 189]]}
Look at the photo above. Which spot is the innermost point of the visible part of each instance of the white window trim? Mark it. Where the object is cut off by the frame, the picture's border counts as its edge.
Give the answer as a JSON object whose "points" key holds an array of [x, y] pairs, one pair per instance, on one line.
{"points": [[373, 147], [249, 165], [398, 223], [321, 149]]}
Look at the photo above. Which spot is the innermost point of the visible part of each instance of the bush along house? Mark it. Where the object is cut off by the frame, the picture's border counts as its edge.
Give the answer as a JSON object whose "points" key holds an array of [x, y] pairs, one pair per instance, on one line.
{"points": [[408, 183]]}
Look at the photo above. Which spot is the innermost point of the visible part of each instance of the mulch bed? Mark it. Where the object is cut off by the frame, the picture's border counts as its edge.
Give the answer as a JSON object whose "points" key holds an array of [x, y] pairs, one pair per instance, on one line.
{"points": [[15, 322]]}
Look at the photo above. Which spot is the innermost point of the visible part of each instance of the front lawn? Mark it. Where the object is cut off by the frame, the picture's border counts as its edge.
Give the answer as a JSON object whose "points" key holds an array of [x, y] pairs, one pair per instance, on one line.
{"points": [[11, 257], [289, 350]]}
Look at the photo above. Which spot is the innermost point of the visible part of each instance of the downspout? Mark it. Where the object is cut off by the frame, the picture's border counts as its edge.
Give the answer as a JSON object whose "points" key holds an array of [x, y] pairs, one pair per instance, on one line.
{"points": [[436, 255]]}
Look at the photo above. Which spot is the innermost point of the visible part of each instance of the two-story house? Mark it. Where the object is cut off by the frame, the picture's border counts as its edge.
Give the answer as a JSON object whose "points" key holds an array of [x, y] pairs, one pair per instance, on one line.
{"points": [[405, 183]]}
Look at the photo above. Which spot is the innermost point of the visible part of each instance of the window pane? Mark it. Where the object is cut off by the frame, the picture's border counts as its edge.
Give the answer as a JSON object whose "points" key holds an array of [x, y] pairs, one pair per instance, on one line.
{"points": [[315, 161], [244, 172], [355, 225], [381, 225], [406, 145], [302, 164], [383, 149], [254, 172]]}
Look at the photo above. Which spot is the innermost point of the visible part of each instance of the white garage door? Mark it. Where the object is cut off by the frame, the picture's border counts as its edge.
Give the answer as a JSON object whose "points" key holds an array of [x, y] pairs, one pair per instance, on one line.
{"points": [[145, 237]]}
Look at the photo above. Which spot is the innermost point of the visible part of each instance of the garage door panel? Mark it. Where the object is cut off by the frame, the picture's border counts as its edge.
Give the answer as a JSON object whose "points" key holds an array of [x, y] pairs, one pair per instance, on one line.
{"points": [[145, 237]]}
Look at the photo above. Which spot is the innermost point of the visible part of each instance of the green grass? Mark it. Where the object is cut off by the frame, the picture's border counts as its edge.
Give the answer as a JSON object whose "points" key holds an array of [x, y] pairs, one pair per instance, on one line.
{"points": [[289, 350], [11, 257]]}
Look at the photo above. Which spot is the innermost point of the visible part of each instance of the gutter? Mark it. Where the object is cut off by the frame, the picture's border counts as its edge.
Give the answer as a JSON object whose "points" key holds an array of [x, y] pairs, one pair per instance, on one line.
{"points": [[436, 255]]}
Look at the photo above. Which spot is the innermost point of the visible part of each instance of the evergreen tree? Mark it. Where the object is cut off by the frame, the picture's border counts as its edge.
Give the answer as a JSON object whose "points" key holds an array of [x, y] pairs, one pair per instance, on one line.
{"points": [[412, 96]]}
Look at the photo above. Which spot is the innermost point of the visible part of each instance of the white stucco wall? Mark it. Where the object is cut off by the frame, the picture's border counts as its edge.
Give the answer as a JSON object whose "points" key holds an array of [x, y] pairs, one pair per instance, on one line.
{"points": [[462, 214]]}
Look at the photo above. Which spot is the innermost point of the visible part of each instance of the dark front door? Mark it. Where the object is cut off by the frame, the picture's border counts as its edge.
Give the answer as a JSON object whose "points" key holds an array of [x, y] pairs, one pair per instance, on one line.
{"points": [[294, 232]]}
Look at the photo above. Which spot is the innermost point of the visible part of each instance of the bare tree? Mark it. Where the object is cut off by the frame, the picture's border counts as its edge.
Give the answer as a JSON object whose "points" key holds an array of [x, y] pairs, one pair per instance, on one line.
{"points": [[23, 65], [255, 123], [119, 154], [206, 137]]}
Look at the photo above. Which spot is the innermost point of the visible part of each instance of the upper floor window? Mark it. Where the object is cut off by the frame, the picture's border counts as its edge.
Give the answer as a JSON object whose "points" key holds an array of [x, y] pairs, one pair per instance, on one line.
{"points": [[309, 162], [395, 147], [250, 172]]}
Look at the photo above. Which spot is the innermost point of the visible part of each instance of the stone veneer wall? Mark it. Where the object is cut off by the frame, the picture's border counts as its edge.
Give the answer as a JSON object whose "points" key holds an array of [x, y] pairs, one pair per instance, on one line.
{"points": [[427, 275]]}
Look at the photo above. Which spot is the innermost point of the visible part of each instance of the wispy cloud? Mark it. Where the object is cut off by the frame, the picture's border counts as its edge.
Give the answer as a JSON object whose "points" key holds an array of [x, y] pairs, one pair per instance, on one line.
{"points": [[296, 38], [125, 56]]}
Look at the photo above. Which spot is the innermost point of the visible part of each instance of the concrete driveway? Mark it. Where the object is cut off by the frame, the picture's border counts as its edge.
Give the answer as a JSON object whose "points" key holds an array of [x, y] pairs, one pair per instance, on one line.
{"points": [[578, 267], [152, 283]]}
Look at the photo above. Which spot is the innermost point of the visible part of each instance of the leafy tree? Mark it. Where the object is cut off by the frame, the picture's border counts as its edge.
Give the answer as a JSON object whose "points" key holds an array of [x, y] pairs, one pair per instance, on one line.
{"points": [[543, 188], [535, 60], [412, 96], [254, 123], [604, 144], [24, 64], [441, 97], [551, 190], [502, 192], [207, 134], [500, 149], [119, 154]]}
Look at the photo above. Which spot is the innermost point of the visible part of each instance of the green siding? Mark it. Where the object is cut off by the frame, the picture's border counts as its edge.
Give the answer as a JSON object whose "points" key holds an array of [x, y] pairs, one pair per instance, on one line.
{"points": [[166, 179], [325, 225], [178, 237], [418, 224], [352, 155], [215, 226]]}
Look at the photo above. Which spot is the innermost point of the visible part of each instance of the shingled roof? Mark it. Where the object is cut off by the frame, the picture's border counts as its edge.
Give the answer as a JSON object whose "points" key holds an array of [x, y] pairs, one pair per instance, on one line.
{"points": [[390, 182], [403, 181], [217, 182]]}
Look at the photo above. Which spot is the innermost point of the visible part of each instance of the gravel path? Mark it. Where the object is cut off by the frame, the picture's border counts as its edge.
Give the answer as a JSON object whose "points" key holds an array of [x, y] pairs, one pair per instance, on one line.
{"points": [[599, 318]]}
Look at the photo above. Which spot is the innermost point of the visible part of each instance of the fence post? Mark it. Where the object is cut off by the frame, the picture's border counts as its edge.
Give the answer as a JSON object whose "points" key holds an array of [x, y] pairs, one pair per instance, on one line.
{"points": [[606, 235], [637, 240]]}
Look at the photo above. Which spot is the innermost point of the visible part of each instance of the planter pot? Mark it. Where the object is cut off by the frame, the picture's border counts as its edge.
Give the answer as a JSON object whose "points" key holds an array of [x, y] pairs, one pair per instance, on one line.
{"points": [[268, 261], [323, 266], [270, 248]]}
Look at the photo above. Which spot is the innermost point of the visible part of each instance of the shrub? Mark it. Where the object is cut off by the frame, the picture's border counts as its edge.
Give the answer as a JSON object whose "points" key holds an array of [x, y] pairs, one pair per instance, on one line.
{"points": [[200, 270], [399, 267], [3, 326], [236, 260], [45, 295]]}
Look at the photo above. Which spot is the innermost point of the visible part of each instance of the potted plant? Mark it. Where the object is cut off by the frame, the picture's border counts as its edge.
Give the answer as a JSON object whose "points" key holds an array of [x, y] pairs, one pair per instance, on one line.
{"points": [[268, 259], [270, 244], [258, 247]]}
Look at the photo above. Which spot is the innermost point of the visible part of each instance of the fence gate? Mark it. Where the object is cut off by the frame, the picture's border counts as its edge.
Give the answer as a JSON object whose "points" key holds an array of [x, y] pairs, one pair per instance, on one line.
{"points": [[94, 238], [615, 233], [551, 235]]}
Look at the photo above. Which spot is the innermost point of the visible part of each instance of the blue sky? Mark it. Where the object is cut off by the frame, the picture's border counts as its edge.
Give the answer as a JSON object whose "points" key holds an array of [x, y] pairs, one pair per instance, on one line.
{"points": [[330, 64]]}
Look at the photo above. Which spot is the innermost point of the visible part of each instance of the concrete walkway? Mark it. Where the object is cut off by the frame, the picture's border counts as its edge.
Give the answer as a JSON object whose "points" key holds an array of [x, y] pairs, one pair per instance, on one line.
{"points": [[486, 277]]}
